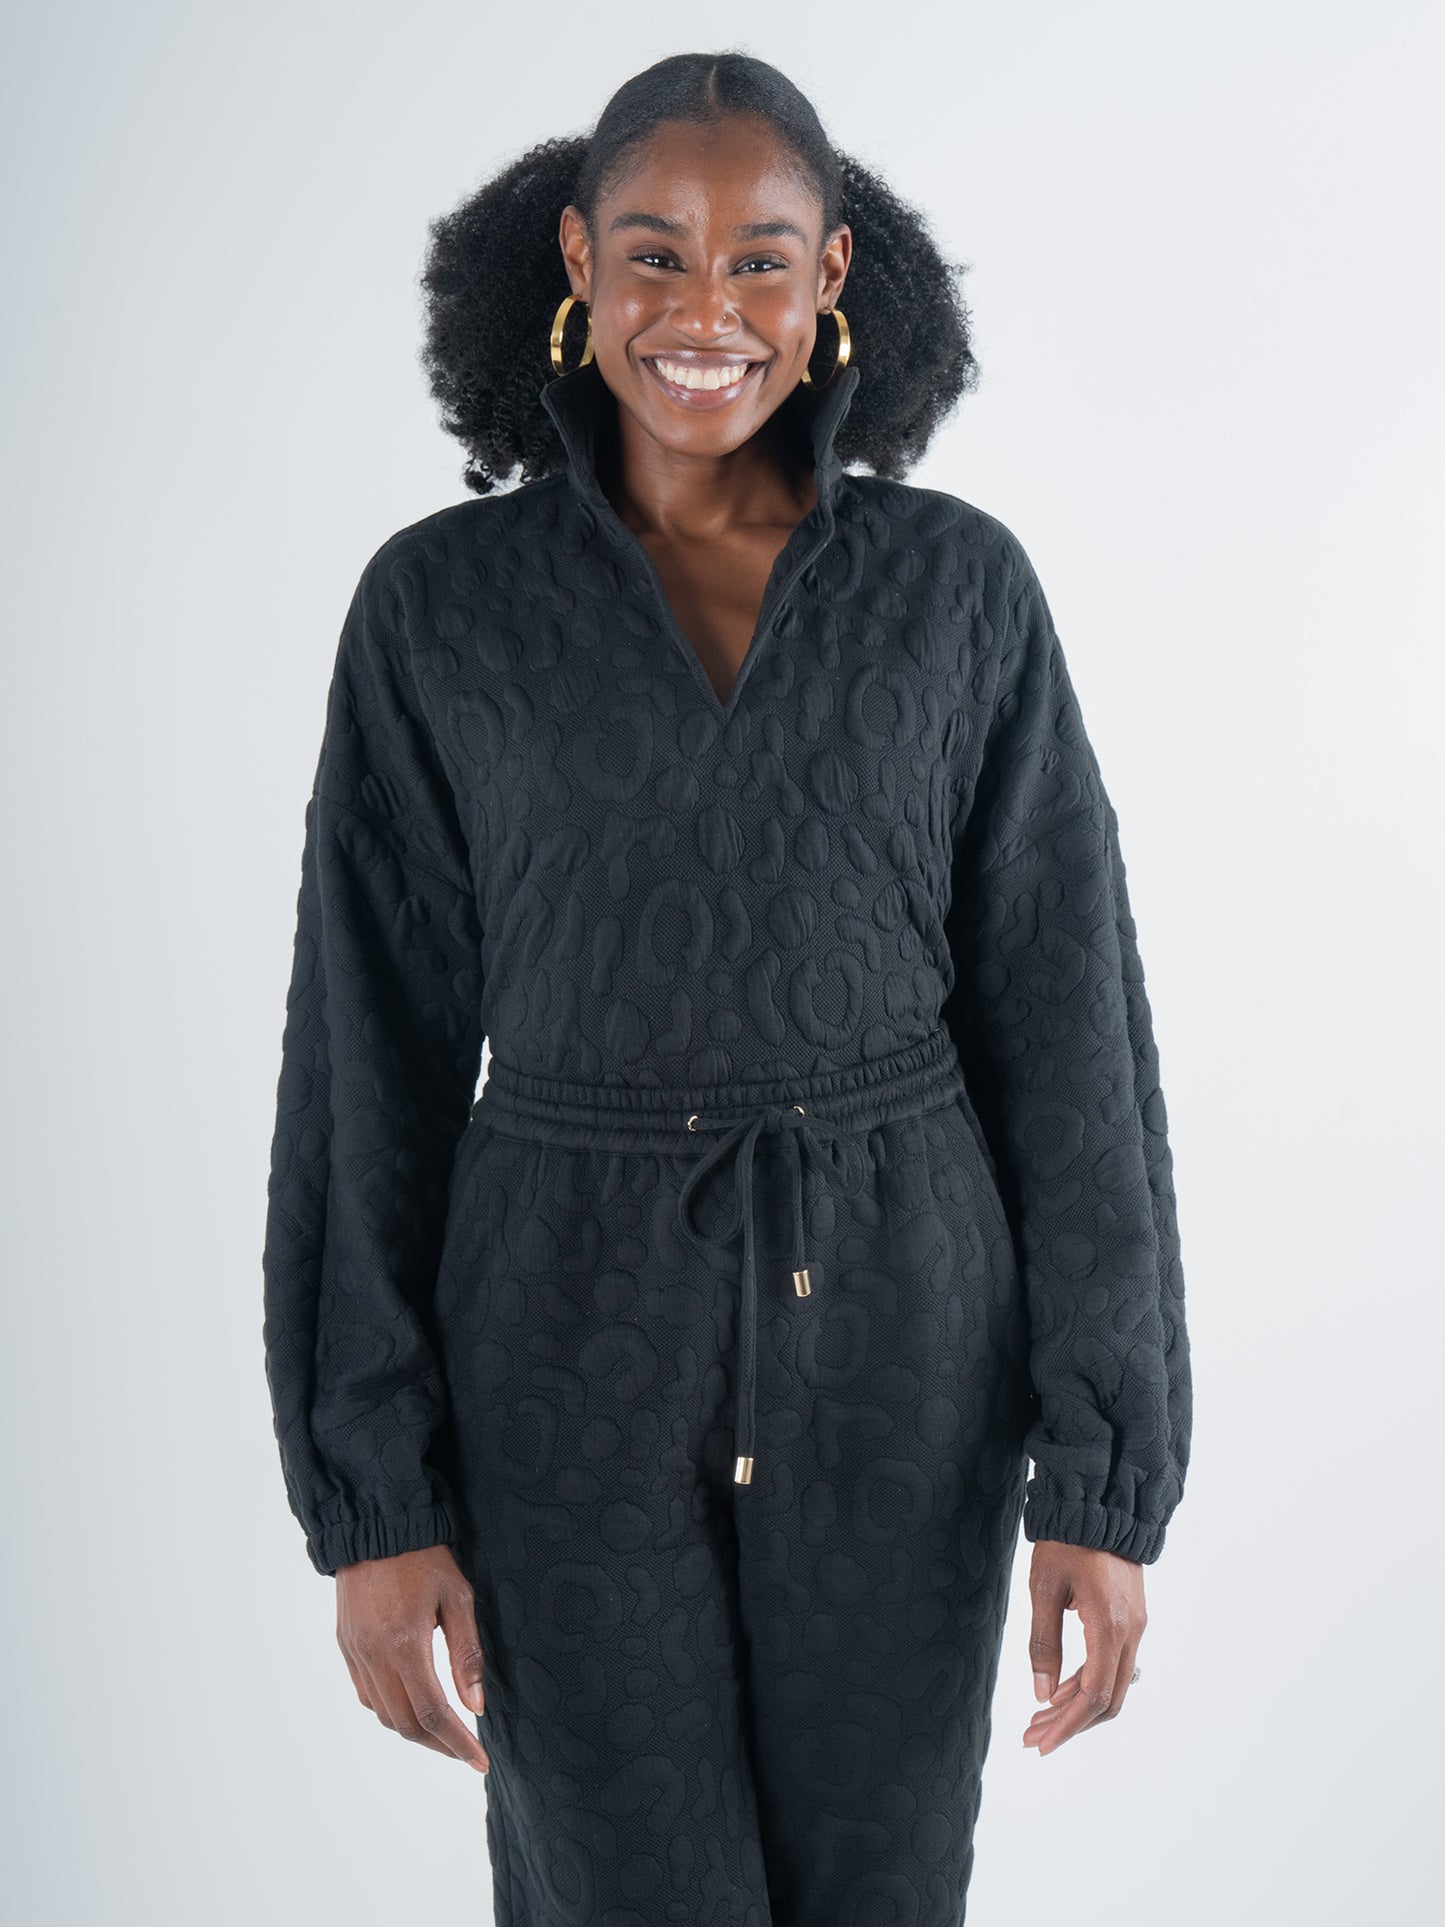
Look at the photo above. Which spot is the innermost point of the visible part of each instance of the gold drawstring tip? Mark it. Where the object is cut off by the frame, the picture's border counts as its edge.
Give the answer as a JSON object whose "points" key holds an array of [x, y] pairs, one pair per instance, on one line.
{"points": [[743, 1472], [802, 1284]]}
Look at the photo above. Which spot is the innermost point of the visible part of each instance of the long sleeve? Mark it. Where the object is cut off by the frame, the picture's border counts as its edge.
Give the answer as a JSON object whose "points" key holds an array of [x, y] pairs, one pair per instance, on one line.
{"points": [[379, 1060], [1054, 1029]]}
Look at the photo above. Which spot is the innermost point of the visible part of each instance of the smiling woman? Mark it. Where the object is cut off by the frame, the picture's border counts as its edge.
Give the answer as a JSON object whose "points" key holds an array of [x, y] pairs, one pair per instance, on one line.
{"points": [[699, 337], [689, 1376]]}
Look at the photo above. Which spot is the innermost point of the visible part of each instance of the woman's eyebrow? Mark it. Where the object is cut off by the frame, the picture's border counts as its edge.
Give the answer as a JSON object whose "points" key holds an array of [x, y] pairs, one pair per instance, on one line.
{"points": [[745, 231]]}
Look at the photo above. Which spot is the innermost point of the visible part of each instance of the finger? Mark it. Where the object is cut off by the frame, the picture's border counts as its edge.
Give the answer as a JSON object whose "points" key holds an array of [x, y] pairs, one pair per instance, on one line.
{"points": [[365, 1682], [1103, 1643], [1065, 1691], [433, 1719], [1046, 1634], [358, 1680], [464, 1646], [385, 1691], [1046, 1715], [375, 1697], [353, 1666], [1044, 1718], [400, 1714], [1125, 1677]]}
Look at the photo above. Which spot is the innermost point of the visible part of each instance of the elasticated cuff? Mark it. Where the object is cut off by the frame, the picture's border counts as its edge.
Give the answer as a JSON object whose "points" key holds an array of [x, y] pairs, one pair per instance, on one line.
{"points": [[1077, 1522], [344, 1544]]}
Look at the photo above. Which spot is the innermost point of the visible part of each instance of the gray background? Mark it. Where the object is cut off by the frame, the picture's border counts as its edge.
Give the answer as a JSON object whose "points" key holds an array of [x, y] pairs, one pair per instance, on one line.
{"points": [[1207, 298]]}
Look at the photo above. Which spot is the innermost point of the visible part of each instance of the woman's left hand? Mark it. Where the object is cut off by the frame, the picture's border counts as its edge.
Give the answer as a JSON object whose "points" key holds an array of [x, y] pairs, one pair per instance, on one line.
{"points": [[1107, 1592]]}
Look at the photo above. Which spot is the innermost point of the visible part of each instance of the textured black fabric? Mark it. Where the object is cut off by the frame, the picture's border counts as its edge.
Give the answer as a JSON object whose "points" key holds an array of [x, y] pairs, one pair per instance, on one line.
{"points": [[837, 978]]}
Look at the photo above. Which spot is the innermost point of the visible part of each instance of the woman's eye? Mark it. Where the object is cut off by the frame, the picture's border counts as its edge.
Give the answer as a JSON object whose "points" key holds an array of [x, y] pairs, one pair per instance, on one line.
{"points": [[666, 260]]}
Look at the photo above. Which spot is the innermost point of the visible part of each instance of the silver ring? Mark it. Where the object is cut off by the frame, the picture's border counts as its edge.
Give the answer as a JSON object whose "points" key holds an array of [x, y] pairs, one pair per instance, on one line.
{"points": [[1135, 1674]]}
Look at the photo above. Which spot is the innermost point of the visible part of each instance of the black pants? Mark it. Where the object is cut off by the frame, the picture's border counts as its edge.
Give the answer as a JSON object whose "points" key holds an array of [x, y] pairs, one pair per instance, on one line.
{"points": [[734, 1678]]}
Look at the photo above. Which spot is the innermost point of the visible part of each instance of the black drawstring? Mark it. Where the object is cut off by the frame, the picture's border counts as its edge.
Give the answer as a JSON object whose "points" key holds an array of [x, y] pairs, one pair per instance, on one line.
{"points": [[740, 1139]]}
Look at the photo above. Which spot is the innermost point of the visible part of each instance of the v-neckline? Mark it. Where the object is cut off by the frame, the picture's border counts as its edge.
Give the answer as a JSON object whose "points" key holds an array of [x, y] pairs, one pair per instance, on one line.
{"points": [[577, 404], [780, 579]]}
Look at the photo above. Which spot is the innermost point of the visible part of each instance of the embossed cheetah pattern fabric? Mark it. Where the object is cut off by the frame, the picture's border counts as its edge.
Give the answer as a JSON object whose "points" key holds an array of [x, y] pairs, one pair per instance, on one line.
{"points": [[822, 1137]]}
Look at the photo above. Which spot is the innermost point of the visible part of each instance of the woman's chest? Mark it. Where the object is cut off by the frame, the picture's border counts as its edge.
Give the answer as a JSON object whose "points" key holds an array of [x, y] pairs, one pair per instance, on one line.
{"points": [[579, 724], [713, 595]]}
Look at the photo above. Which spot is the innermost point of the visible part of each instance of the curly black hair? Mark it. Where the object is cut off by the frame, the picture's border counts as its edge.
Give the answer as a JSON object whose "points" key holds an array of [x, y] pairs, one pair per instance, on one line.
{"points": [[493, 277]]}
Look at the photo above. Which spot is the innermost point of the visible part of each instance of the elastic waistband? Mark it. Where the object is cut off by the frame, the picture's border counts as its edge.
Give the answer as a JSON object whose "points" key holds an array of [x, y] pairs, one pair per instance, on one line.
{"points": [[654, 1118]]}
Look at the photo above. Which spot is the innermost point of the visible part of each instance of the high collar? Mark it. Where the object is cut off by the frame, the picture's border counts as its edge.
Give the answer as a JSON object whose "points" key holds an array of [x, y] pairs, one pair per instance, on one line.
{"points": [[581, 407]]}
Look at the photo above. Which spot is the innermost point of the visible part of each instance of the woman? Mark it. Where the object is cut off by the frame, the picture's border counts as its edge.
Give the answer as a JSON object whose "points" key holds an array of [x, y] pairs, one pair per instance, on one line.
{"points": [[688, 1379]]}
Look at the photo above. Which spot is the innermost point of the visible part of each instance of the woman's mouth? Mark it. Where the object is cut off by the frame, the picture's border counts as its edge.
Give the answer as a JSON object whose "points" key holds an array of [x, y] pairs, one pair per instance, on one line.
{"points": [[704, 384]]}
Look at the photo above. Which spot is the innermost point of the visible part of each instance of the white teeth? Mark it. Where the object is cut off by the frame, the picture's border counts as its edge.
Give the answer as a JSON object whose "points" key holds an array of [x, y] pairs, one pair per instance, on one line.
{"points": [[687, 377]]}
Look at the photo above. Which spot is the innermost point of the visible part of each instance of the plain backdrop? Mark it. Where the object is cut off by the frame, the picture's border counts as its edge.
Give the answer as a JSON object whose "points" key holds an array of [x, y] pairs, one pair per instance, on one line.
{"points": [[1204, 273]]}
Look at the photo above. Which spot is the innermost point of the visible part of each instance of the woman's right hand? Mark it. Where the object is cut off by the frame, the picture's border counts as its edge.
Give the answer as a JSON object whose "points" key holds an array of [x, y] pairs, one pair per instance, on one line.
{"points": [[387, 1611]]}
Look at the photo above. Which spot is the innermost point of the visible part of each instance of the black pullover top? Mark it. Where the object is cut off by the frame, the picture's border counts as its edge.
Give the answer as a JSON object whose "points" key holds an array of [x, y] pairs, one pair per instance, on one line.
{"points": [[534, 821]]}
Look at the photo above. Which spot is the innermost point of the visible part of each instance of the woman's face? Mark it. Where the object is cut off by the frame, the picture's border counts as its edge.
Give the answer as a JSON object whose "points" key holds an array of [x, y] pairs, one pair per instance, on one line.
{"points": [[709, 266]]}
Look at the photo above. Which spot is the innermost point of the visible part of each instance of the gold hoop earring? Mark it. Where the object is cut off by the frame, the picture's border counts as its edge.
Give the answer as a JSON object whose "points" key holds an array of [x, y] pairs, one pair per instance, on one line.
{"points": [[559, 323], [845, 348]]}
